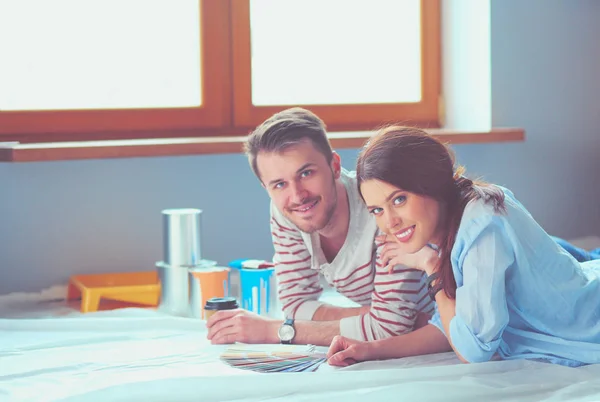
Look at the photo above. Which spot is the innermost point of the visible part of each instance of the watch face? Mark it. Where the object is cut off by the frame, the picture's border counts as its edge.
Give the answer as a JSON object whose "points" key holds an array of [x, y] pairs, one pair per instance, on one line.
{"points": [[286, 333]]}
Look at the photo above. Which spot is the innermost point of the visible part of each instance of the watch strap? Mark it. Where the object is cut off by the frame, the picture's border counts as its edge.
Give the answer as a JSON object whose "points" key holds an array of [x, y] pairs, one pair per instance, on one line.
{"points": [[290, 322], [431, 288]]}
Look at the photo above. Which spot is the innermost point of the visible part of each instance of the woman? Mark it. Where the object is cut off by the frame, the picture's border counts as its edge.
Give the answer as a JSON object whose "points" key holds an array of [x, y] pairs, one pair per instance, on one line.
{"points": [[503, 287]]}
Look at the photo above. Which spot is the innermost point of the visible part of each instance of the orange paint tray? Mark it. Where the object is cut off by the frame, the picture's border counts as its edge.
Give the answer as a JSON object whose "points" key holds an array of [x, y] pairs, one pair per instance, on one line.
{"points": [[141, 288]]}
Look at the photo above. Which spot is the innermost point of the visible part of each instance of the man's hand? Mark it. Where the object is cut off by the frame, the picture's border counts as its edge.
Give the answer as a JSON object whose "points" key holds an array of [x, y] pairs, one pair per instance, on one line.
{"points": [[230, 326], [344, 351]]}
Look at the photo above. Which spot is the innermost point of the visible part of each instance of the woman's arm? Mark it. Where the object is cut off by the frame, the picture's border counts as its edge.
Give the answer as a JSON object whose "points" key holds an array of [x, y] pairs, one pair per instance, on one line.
{"points": [[447, 310], [475, 320], [425, 340]]}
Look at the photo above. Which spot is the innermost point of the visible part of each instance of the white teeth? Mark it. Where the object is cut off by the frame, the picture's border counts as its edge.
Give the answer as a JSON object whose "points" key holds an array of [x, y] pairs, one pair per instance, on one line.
{"points": [[307, 208], [405, 233]]}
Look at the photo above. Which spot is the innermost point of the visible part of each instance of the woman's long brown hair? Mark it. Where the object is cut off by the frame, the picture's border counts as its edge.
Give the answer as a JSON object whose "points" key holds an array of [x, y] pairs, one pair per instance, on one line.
{"points": [[411, 159]]}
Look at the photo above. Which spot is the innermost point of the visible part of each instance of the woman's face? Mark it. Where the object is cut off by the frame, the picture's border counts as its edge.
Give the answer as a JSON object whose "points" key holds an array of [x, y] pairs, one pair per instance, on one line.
{"points": [[413, 219]]}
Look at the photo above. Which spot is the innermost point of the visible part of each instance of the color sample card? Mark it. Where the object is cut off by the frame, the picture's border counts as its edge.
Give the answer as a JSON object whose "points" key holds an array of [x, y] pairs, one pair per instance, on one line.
{"points": [[273, 358]]}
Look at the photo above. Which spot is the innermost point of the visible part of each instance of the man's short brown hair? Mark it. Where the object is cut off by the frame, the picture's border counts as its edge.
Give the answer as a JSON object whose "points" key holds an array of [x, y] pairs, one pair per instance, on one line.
{"points": [[285, 129]]}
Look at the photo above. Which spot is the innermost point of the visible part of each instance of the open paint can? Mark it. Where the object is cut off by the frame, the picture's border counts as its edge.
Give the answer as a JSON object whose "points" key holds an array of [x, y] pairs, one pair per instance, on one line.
{"points": [[206, 284]]}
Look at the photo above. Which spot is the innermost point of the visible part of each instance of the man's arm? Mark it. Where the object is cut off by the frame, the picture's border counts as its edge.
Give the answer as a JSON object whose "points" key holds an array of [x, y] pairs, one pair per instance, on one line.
{"points": [[319, 333], [229, 326], [398, 297], [335, 313], [299, 288], [298, 284], [299, 291]]}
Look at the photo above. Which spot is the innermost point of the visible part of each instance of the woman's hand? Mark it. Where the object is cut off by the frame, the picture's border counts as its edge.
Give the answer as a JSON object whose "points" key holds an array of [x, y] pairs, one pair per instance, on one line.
{"points": [[345, 352], [426, 259]]}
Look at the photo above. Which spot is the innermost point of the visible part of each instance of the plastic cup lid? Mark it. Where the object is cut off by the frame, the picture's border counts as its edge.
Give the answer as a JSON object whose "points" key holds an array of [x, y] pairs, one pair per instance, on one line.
{"points": [[221, 303]]}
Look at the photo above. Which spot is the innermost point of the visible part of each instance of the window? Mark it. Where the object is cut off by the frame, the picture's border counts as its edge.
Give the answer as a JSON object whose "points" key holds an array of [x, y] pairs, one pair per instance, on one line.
{"points": [[354, 63], [94, 69]]}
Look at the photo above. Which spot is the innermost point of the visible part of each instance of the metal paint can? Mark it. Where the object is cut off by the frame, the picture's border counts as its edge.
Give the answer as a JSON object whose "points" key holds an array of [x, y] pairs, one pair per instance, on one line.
{"points": [[174, 287], [181, 237]]}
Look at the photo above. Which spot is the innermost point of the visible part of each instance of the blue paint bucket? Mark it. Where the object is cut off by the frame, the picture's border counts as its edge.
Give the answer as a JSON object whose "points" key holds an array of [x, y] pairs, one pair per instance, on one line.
{"points": [[257, 289]]}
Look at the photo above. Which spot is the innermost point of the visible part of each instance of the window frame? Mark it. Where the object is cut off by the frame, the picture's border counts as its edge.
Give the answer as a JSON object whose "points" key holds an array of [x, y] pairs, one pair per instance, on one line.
{"points": [[344, 117], [71, 125], [226, 83]]}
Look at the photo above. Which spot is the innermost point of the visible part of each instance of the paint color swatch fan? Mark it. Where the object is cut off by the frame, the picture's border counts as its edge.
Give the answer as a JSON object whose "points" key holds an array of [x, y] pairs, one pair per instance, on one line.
{"points": [[273, 358]]}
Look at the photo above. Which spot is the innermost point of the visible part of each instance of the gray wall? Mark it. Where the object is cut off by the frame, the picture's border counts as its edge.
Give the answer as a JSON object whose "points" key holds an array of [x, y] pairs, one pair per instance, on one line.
{"points": [[546, 78], [64, 218]]}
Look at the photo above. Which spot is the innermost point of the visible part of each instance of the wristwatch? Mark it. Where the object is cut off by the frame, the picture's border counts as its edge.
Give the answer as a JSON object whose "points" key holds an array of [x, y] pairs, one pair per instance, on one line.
{"points": [[287, 332], [431, 288]]}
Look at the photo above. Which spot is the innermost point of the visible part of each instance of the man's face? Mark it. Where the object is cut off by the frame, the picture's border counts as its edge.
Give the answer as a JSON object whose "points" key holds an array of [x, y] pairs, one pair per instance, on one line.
{"points": [[301, 184]]}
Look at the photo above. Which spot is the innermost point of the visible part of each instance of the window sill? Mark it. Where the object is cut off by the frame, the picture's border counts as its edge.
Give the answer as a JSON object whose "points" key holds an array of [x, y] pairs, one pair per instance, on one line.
{"points": [[55, 151]]}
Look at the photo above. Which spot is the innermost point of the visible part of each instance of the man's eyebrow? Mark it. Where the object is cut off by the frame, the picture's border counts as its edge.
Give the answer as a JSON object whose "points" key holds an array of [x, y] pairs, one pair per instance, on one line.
{"points": [[389, 197], [306, 165], [274, 181], [303, 167]]}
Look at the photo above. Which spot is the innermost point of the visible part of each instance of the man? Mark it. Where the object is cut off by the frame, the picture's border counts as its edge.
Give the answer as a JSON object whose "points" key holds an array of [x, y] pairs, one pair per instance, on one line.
{"points": [[320, 229]]}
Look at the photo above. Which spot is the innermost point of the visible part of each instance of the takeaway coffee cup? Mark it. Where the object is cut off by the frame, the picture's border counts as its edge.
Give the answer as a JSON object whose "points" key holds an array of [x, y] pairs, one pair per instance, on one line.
{"points": [[219, 303]]}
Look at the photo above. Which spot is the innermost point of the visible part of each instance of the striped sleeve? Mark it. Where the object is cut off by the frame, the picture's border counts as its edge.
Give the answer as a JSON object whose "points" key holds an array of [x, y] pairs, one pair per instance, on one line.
{"points": [[298, 284], [398, 296]]}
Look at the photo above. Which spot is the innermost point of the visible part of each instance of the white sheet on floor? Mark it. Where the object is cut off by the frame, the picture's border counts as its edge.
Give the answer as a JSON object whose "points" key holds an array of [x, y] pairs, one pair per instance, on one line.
{"points": [[49, 352], [135, 354]]}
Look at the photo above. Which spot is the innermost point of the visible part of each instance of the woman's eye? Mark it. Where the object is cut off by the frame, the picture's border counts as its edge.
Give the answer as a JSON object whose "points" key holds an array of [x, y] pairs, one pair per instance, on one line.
{"points": [[376, 211], [399, 200]]}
